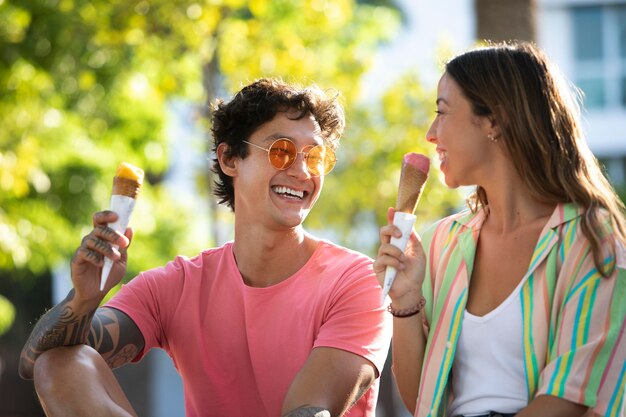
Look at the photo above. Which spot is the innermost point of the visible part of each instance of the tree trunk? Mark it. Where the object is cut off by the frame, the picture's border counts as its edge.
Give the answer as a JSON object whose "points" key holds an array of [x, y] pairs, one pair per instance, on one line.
{"points": [[504, 20]]}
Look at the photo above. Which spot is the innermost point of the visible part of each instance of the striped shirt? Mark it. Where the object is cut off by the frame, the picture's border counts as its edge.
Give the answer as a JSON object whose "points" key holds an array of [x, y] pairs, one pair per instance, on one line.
{"points": [[573, 329]]}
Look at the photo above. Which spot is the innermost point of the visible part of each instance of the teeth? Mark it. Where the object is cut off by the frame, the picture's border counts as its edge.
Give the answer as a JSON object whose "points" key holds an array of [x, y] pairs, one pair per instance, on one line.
{"points": [[289, 191], [442, 155]]}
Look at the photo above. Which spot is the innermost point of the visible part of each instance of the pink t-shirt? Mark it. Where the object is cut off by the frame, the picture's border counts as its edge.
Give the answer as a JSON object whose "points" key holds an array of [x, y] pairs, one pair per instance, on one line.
{"points": [[238, 348]]}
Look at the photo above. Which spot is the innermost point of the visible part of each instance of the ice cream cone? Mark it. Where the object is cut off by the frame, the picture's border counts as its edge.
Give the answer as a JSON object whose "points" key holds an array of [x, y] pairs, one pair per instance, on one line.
{"points": [[412, 182], [126, 186], [128, 180], [412, 179]]}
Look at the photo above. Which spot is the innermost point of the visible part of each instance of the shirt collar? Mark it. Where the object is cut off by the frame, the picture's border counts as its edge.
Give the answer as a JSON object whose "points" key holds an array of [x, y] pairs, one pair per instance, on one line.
{"points": [[563, 213]]}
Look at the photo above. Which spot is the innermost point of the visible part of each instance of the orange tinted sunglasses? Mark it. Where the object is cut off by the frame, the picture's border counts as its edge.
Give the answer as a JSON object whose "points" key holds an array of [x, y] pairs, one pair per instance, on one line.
{"points": [[282, 153]]}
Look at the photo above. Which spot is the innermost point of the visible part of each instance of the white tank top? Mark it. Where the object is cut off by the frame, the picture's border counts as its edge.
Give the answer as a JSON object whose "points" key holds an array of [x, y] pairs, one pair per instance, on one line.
{"points": [[488, 368]]}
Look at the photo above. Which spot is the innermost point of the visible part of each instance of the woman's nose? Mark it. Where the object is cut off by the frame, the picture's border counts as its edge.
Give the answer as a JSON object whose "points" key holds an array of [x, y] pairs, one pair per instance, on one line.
{"points": [[431, 135]]}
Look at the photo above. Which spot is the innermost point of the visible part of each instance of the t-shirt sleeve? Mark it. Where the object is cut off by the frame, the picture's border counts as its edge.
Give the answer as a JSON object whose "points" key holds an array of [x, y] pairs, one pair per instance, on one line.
{"points": [[149, 300], [355, 320], [588, 350]]}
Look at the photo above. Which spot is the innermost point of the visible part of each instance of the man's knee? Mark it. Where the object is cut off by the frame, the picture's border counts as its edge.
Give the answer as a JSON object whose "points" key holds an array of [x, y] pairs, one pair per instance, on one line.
{"points": [[69, 364], [76, 381]]}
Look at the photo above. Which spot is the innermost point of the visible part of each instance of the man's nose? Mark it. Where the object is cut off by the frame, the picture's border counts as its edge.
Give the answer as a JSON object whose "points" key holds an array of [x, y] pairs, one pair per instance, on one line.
{"points": [[300, 167]]}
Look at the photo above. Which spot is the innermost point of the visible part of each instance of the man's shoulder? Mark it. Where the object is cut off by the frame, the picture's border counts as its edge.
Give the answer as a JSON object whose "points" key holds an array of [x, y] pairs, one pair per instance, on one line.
{"points": [[341, 265], [222, 251], [206, 254], [339, 252], [185, 266]]}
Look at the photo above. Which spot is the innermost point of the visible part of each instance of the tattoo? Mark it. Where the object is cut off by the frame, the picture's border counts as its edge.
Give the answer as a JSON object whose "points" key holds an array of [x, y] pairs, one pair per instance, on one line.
{"points": [[308, 411], [60, 326], [99, 244], [123, 356], [99, 337], [107, 231], [114, 335]]}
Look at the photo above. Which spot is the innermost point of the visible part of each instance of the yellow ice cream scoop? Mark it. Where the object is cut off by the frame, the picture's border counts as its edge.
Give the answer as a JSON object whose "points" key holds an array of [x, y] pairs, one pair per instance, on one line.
{"points": [[127, 183], [126, 170]]}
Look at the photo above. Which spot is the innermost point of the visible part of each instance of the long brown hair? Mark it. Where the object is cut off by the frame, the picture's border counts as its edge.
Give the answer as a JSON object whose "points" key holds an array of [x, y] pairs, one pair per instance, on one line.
{"points": [[516, 85]]}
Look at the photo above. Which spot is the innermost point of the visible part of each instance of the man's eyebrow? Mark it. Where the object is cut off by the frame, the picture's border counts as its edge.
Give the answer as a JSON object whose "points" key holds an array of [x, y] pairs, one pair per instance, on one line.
{"points": [[441, 99], [274, 136]]}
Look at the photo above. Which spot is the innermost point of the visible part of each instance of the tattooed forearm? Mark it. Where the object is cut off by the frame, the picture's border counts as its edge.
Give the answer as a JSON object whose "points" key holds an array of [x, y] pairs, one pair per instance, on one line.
{"points": [[60, 326], [109, 331], [308, 411]]}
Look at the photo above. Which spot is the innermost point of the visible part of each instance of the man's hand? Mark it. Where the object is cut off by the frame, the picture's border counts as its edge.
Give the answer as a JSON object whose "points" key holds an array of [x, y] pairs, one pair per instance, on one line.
{"points": [[88, 259]]}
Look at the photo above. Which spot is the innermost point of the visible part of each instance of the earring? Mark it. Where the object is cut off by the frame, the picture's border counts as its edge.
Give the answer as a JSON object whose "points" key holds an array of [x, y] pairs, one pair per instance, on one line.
{"points": [[492, 138]]}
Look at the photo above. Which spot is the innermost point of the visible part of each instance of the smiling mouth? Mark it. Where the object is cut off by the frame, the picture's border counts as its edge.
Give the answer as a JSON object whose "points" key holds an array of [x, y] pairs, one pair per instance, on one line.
{"points": [[289, 192]]}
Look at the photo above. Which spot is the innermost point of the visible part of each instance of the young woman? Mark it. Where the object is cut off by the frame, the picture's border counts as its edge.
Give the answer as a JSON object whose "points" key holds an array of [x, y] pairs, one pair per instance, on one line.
{"points": [[523, 294]]}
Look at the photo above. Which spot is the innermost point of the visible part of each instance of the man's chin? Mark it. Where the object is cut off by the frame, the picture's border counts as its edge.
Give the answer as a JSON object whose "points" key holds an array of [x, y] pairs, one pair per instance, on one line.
{"points": [[296, 220]]}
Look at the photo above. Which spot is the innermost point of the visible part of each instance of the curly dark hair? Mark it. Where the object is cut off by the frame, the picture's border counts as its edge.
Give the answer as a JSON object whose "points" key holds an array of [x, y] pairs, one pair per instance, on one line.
{"points": [[258, 103]]}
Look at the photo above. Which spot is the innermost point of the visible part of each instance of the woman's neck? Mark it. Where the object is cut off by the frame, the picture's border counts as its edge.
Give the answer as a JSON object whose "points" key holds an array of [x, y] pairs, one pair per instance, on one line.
{"points": [[511, 205]]}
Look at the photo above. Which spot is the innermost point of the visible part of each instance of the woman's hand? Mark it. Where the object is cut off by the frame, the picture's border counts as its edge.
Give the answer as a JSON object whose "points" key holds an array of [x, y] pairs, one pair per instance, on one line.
{"points": [[88, 259], [410, 264]]}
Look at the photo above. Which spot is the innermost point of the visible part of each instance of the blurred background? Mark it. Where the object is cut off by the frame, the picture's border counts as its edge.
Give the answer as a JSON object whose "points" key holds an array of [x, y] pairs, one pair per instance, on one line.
{"points": [[86, 84]]}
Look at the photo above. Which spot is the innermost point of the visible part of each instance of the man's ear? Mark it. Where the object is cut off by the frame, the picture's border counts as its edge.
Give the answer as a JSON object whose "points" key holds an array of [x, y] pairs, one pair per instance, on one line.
{"points": [[228, 163]]}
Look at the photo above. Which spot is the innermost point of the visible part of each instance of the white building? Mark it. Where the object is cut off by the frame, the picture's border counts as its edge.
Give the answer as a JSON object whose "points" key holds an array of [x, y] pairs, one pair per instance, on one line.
{"points": [[588, 41]]}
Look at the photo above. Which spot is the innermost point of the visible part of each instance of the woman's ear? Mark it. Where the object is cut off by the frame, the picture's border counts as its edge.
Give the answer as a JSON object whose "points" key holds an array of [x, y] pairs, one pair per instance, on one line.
{"points": [[228, 163], [492, 127], [500, 122]]}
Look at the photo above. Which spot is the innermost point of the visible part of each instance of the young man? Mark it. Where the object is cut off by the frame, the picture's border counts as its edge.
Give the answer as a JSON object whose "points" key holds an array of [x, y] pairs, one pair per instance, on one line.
{"points": [[275, 323]]}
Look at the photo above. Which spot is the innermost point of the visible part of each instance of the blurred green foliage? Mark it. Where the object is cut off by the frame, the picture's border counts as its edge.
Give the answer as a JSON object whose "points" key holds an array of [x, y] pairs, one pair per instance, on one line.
{"points": [[85, 84], [7, 314]]}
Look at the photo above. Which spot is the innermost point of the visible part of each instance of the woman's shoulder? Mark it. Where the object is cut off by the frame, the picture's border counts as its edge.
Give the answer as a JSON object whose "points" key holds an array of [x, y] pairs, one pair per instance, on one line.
{"points": [[452, 222], [443, 233]]}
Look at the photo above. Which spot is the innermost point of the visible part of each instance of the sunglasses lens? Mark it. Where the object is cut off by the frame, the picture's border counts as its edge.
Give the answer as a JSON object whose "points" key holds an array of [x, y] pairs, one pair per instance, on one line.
{"points": [[320, 160], [282, 153]]}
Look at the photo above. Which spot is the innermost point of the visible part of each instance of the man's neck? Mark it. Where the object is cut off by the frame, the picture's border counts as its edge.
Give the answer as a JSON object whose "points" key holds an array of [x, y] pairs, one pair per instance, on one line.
{"points": [[267, 258]]}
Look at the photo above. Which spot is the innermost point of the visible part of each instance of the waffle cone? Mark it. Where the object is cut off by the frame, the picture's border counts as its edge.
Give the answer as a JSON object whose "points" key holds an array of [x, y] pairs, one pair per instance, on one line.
{"points": [[412, 182], [126, 186]]}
